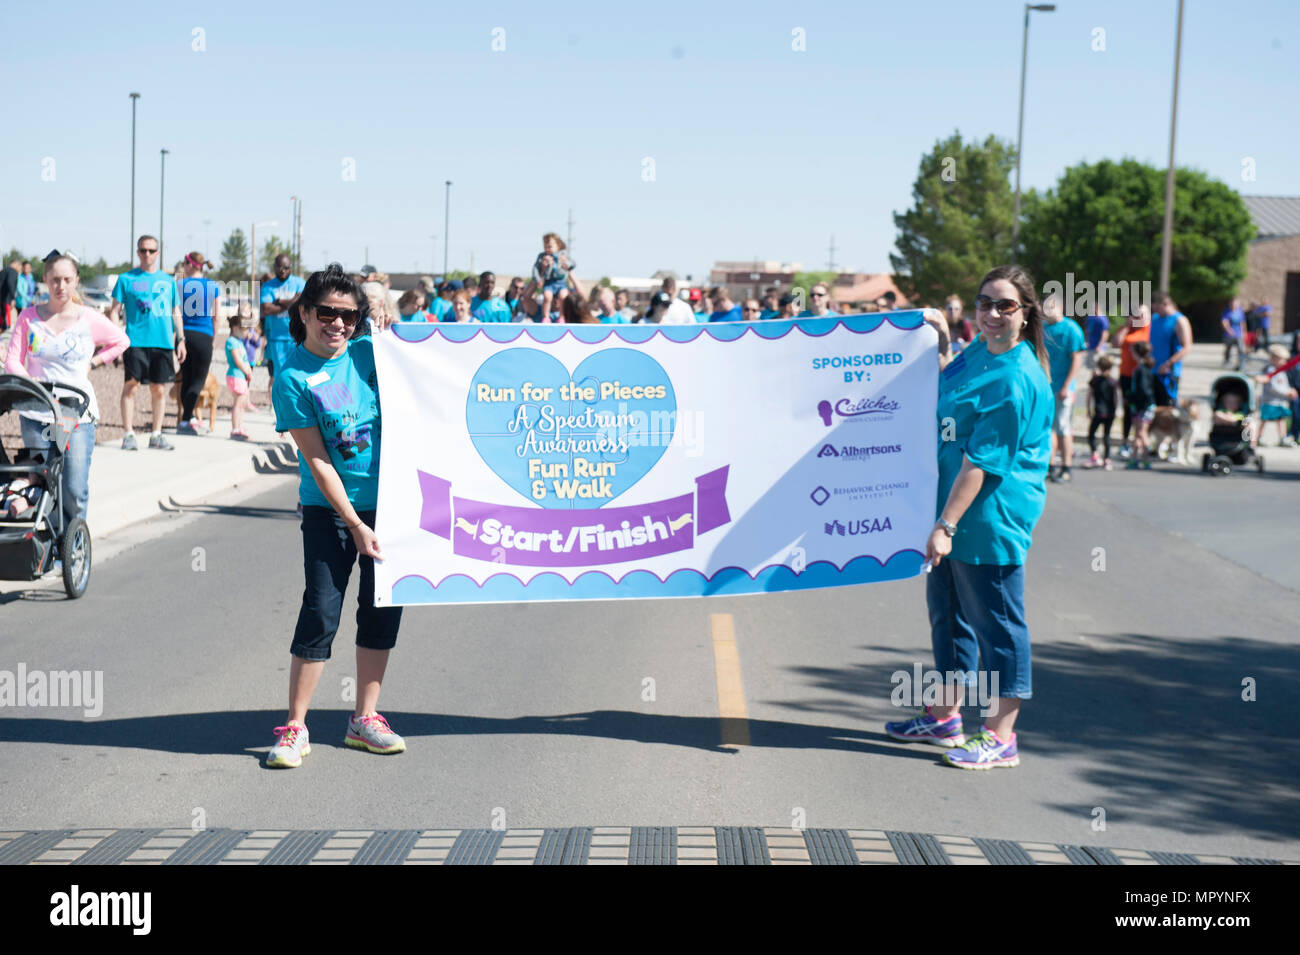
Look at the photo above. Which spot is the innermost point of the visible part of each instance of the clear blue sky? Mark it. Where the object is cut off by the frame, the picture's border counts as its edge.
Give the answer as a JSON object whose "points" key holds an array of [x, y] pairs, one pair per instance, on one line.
{"points": [[758, 149]]}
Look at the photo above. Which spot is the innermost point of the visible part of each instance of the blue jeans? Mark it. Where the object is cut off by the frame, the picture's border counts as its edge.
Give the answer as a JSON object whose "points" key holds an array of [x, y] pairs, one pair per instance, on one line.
{"points": [[977, 611], [76, 464], [328, 556]]}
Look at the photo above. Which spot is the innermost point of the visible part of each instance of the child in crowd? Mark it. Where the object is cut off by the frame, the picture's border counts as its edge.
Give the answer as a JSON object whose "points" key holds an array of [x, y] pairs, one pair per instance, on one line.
{"points": [[1103, 400], [253, 343], [1275, 396], [1142, 403], [551, 272], [238, 375], [410, 307]]}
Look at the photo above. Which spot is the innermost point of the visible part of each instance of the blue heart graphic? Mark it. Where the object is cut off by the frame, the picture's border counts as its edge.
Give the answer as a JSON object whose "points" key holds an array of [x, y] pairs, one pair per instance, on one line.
{"points": [[622, 437]]}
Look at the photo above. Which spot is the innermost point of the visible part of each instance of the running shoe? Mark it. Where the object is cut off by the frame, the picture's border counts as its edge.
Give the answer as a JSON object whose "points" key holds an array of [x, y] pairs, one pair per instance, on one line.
{"points": [[1094, 462], [160, 443], [291, 747], [128, 442], [984, 751], [926, 729], [187, 427], [240, 435], [373, 733], [1107, 465]]}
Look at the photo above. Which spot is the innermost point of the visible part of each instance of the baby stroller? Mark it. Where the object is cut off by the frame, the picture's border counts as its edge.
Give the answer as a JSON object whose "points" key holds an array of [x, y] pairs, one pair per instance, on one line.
{"points": [[1230, 443], [31, 541]]}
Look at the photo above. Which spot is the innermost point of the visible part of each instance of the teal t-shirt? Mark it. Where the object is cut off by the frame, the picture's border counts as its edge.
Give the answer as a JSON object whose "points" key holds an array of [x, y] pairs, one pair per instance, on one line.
{"points": [[1062, 339], [618, 318], [275, 290], [340, 396], [1001, 409], [148, 300], [233, 346], [439, 308], [489, 310]]}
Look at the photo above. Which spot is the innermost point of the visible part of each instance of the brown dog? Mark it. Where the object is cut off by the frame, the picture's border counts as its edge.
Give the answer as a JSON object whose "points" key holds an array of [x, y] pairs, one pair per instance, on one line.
{"points": [[207, 398], [1174, 427]]}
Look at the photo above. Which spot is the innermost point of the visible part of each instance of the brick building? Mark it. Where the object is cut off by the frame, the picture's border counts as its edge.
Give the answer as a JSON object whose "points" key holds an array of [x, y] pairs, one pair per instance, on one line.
{"points": [[1273, 262]]}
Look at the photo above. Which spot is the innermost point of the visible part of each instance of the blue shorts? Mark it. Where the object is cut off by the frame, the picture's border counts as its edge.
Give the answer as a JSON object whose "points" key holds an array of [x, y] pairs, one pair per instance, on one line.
{"points": [[328, 556], [556, 287], [977, 614], [1273, 412]]}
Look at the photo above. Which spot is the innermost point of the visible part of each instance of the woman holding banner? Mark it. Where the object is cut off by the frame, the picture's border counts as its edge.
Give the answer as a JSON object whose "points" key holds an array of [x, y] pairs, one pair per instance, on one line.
{"points": [[995, 414], [326, 396]]}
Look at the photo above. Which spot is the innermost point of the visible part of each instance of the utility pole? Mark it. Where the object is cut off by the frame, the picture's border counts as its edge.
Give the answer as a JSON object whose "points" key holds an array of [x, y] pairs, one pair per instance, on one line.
{"points": [[830, 265], [1166, 241], [568, 241], [131, 257], [298, 229], [1020, 125], [446, 227], [162, 193]]}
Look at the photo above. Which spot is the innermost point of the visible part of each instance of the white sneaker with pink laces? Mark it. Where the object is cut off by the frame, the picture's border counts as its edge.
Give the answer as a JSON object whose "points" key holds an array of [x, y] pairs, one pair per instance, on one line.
{"points": [[373, 733]]}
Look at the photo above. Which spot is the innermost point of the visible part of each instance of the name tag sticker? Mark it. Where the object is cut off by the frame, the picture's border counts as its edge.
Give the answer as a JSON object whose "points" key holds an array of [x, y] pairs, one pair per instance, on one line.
{"points": [[317, 379]]}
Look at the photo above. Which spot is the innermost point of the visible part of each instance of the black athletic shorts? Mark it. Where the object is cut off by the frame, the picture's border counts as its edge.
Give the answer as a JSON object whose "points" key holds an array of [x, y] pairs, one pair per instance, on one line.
{"points": [[149, 366]]}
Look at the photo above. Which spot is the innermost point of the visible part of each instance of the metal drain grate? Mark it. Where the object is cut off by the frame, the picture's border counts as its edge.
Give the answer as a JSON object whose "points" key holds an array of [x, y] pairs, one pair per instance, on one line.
{"points": [[915, 848], [32, 845], [1078, 855], [653, 845], [1004, 852], [829, 847], [475, 847], [1103, 856], [1244, 860], [386, 847], [564, 846], [741, 845], [115, 849], [297, 848], [208, 847], [1174, 858]]}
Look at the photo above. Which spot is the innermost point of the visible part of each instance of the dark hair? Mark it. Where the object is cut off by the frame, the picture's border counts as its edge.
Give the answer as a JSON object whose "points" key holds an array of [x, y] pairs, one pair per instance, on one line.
{"points": [[1032, 330], [1104, 364], [1142, 352], [577, 312], [320, 284]]}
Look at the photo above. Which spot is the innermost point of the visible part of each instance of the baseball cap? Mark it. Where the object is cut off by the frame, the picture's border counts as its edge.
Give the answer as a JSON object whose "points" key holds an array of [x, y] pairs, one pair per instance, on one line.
{"points": [[455, 285], [368, 270]]}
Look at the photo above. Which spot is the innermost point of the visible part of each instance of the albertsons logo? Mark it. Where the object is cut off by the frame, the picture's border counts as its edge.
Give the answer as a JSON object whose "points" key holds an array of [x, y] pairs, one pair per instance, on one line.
{"points": [[851, 452]]}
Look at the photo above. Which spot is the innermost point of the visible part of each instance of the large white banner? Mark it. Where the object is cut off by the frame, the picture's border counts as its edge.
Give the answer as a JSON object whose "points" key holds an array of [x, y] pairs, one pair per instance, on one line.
{"points": [[559, 462]]}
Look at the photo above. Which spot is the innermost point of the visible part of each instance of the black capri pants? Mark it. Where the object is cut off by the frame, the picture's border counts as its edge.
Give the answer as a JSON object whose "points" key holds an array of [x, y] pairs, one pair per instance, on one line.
{"points": [[328, 556], [194, 370]]}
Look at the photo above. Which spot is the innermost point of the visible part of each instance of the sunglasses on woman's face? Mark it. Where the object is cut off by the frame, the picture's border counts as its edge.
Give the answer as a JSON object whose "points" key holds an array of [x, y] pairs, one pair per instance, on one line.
{"points": [[1004, 306], [325, 314]]}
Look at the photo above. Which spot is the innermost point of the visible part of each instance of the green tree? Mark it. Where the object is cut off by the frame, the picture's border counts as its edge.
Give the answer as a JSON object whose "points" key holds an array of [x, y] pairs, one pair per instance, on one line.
{"points": [[234, 258], [270, 249], [960, 224], [1103, 222]]}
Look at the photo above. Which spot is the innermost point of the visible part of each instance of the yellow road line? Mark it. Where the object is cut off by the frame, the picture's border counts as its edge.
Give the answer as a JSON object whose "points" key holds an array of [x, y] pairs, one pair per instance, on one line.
{"points": [[732, 715]]}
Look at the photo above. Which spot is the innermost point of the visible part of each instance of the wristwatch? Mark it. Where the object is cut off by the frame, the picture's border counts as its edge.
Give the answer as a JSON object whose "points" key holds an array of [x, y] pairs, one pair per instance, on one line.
{"points": [[949, 529]]}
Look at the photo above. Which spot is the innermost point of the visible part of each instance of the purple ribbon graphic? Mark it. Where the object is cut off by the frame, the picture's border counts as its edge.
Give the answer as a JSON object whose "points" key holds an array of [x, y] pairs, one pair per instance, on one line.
{"points": [[546, 537]]}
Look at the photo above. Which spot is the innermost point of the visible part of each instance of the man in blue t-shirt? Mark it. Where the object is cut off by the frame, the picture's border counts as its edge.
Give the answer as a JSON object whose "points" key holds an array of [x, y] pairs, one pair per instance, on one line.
{"points": [[1171, 342], [1263, 319], [724, 309], [1065, 348], [486, 307], [147, 301], [1233, 321], [279, 295], [819, 302]]}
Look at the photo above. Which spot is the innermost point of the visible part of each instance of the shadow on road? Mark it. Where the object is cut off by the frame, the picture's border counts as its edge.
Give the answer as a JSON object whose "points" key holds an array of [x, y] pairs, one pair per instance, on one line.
{"points": [[1156, 725]]}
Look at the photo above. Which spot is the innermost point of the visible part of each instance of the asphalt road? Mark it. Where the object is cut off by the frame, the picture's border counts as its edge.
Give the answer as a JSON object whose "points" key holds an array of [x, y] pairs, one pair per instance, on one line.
{"points": [[531, 716]]}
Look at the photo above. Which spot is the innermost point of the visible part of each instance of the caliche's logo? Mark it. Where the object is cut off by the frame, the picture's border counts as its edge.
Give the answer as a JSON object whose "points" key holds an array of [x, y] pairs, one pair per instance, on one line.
{"points": [[867, 525], [859, 409], [820, 496]]}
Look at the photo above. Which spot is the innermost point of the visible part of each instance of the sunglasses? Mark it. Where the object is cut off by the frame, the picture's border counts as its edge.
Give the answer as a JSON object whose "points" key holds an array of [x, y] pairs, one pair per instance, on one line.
{"points": [[1004, 306], [147, 251], [818, 294], [325, 314]]}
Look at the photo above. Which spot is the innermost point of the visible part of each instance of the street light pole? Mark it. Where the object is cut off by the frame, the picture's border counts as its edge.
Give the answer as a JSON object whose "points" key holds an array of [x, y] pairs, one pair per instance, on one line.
{"points": [[252, 268], [1166, 241], [446, 228], [1020, 125], [162, 195], [293, 231], [131, 256], [433, 261]]}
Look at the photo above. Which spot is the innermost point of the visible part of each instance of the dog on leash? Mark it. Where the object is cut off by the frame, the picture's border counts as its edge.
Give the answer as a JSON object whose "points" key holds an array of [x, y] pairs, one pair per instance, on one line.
{"points": [[207, 399], [1174, 428]]}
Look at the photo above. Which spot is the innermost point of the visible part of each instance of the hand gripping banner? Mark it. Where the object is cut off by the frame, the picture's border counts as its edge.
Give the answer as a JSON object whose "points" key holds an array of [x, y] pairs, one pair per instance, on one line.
{"points": [[554, 462]]}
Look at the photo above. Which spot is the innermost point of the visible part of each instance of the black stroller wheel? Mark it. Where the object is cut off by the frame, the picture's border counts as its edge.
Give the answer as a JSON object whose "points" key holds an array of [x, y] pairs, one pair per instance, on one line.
{"points": [[1259, 463], [1205, 464], [74, 550]]}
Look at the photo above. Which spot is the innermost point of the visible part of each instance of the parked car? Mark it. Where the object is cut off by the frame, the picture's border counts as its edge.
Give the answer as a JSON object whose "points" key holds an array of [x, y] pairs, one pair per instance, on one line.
{"points": [[96, 298]]}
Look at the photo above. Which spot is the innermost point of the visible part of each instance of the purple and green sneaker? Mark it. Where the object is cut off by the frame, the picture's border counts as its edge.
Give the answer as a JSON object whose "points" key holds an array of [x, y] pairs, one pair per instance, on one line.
{"points": [[926, 729], [984, 751]]}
